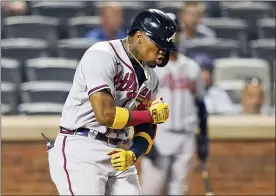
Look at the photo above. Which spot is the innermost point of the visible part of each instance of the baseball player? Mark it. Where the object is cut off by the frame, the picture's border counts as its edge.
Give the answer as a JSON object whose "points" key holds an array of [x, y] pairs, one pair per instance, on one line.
{"points": [[181, 87], [113, 89]]}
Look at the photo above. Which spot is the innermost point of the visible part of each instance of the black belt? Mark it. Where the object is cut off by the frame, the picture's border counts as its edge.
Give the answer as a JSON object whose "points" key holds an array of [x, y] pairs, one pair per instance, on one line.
{"points": [[84, 132]]}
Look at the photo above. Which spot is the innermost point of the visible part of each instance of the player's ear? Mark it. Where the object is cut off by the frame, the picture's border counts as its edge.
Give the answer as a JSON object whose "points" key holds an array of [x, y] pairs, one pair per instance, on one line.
{"points": [[139, 36]]}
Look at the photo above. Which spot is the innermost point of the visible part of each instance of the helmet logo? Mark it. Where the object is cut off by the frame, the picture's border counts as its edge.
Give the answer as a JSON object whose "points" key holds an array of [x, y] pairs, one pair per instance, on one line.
{"points": [[172, 38]]}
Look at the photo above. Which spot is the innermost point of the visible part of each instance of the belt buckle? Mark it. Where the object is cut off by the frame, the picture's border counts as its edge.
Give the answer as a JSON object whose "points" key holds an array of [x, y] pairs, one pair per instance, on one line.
{"points": [[108, 141]]}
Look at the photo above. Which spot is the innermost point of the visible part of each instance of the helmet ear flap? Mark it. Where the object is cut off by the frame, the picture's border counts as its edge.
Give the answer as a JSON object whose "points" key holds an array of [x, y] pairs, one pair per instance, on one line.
{"points": [[166, 59]]}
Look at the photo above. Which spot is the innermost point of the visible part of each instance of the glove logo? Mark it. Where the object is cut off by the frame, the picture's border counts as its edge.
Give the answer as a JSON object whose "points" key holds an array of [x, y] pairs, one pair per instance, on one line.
{"points": [[154, 115]]}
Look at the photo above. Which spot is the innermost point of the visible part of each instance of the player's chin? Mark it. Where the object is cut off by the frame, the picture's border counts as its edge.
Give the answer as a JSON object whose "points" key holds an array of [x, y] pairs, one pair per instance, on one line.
{"points": [[152, 65], [155, 63], [159, 61]]}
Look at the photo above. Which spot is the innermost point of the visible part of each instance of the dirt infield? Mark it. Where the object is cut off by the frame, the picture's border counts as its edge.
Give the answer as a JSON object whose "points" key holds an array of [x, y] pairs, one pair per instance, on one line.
{"points": [[236, 167]]}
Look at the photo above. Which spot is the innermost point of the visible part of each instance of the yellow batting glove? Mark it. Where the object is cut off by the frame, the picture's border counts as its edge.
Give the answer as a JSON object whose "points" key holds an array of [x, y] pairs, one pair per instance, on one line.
{"points": [[122, 159], [159, 112], [157, 100]]}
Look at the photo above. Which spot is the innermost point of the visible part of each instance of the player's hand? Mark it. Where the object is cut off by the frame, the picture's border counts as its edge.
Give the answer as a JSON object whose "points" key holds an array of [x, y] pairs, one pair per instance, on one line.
{"points": [[159, 111], [122, 159]]}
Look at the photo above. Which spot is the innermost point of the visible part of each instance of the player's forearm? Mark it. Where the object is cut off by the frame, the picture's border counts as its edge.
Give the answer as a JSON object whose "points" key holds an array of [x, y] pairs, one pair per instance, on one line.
{"points": [[106, 118], [125, 118], [104, 108], [138, 117], [157, 113], [118, 118], [143, 139], [110, 115], [139, 146], [115, 117]]}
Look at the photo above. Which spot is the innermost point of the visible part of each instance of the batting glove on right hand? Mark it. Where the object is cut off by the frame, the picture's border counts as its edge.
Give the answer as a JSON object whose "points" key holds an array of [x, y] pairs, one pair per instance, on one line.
{"points": [[159, 112]]}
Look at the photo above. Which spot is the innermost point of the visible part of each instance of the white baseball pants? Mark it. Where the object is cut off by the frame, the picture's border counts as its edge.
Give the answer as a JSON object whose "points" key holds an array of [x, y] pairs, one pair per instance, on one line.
{"points": [[170, 172], [80, 166]]}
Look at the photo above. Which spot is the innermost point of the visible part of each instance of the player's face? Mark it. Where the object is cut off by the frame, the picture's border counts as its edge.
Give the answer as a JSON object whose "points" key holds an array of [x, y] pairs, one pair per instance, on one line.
{"points": [[151, 53]]}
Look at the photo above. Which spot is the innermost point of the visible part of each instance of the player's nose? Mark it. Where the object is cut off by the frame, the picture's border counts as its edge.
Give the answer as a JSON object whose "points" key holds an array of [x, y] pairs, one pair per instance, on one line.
{"points": [[162, 52]]}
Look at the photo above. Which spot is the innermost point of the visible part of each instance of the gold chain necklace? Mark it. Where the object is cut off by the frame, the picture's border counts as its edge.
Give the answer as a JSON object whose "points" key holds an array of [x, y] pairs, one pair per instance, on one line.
{"points": [[129, 52]]}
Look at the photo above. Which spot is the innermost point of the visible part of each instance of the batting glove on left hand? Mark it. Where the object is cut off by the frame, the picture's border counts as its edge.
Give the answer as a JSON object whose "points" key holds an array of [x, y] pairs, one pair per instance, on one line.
{"points": [[122, 159]]}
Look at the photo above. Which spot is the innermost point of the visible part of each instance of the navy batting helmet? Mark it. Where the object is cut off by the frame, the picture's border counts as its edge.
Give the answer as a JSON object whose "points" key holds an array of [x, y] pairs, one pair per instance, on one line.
{"points": [[158, 26], [174, 18]]}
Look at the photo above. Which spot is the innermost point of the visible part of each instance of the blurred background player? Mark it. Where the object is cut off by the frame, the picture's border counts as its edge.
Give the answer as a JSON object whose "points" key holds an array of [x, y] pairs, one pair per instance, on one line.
{"points": [[216, 99], [181, 87], [191, 26], [111, 22]]}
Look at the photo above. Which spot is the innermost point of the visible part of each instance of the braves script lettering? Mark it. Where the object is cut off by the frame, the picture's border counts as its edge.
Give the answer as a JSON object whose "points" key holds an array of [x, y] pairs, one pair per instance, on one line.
{"points": [[126, 82], [180, 82]]}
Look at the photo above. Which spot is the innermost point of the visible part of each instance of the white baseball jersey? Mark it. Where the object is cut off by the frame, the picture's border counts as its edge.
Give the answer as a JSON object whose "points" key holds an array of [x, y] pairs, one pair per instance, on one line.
{"points": [[180, 84], [105, 65]]}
